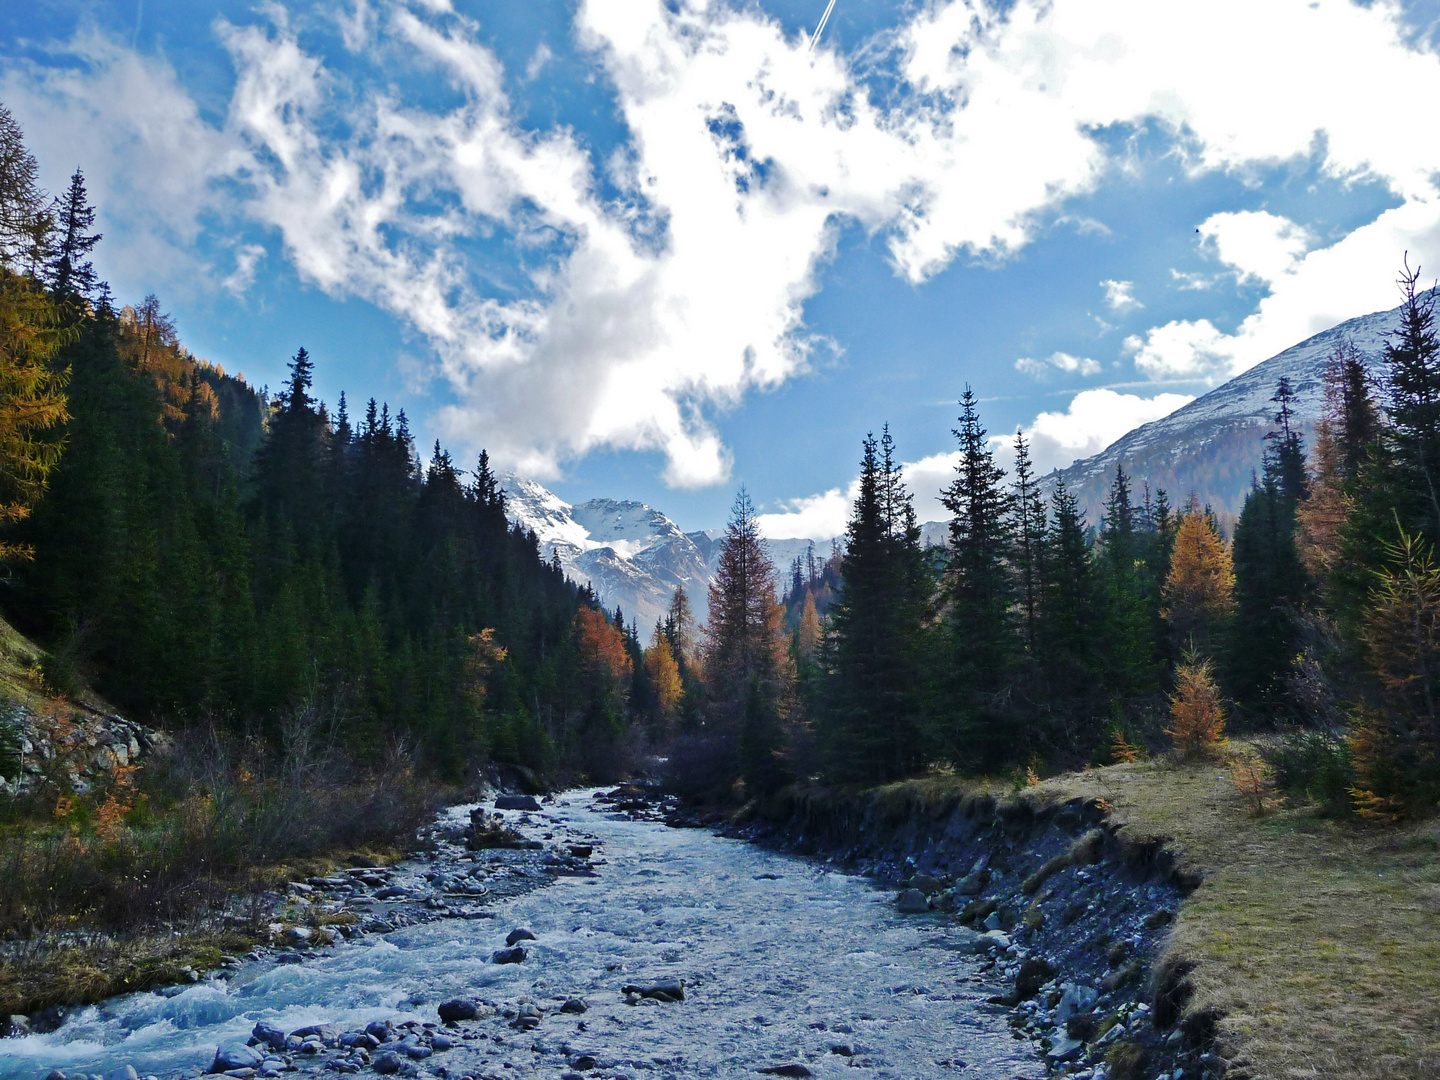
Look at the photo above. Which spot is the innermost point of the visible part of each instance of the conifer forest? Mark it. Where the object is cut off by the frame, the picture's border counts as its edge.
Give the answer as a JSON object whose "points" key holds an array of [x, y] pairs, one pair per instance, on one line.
{"points": [[206, 555]]}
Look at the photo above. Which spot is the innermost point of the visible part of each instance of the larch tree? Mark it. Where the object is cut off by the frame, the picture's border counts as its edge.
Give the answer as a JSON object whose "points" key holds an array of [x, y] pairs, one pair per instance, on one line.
{"points": [[1200, 588]]}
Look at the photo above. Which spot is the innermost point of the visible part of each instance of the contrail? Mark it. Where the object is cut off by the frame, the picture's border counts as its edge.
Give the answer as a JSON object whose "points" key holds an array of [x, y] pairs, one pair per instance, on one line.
{"points": [[821, 24]]}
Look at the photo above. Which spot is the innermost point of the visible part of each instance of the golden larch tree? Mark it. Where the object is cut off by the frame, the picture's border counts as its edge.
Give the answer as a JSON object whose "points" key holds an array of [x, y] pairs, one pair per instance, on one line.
{"points": [[664, 675], [32, 400], [1200, 588]]}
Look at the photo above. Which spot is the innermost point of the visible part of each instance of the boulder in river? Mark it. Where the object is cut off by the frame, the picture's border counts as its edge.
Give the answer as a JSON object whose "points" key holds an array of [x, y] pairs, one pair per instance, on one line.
{"points": [[268, 1035], [574, 1005], [793, 1069], [235, 1055], [388, 1062], [516, 802], [582, 851], [508, 956], [457, 1009], [659, 990], [518, 935], [911, 902]]}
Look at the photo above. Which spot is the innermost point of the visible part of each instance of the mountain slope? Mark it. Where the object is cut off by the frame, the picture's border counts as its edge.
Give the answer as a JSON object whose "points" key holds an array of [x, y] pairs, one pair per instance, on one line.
{"points": [[1213, 445]]}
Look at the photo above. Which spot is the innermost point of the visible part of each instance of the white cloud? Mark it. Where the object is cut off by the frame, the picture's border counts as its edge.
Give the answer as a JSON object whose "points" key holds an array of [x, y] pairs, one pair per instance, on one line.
{"points": [[813, 517], [538, 60], [1057, 361], [247, 258], [1262, 247], [1120, 295], [643, 315], [1094, 420]]}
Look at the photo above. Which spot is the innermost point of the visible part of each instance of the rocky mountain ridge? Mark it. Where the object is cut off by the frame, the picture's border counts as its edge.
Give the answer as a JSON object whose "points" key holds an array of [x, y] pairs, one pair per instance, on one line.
{"points": [[1213, 445]]}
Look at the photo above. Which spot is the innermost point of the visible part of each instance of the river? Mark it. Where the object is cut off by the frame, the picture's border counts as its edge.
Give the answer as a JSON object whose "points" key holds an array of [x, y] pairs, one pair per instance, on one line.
{"points": [[784, 962]]}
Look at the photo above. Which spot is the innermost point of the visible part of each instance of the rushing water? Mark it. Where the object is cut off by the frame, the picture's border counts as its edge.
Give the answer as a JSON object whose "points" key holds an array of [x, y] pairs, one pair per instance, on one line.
{"points": [[782, 959]]}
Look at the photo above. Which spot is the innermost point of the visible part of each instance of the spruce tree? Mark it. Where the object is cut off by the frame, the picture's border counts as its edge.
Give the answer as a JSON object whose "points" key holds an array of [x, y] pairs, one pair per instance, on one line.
{"points": [[747, 685], [1270, 580], [980, 590], [70, 275], [874, 704]]}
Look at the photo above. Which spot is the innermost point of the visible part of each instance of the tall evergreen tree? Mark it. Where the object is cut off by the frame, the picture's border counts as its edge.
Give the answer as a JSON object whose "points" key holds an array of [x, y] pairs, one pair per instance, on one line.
{"points": [[979, 590], [70, 275], [747, 684], [1270, 580], [874, 704]]}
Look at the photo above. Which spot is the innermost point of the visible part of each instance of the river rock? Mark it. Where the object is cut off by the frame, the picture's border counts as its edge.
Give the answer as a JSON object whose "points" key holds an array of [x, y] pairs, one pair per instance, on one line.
{"points": [[124, 1072], [516, 802], [1065, 1049], [792, 1069], [379, 1030], [911, 902], [1077, 998], [574, 1005], [971, 884], [388, 1062], [508, 956], [457, 1009], [327, 1035], [235, 1055], [518, 935], [926, 884], [995, 939], [581, 851], [269, 1035], [659, 990]]}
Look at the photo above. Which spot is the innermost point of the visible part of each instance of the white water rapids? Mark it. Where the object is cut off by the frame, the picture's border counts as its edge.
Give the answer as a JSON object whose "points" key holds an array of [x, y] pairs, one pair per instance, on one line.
{"points": [[782, 960]]}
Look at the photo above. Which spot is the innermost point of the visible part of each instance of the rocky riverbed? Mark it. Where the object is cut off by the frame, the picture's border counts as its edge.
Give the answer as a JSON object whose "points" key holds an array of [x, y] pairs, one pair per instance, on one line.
{"points": [[652, 952]]}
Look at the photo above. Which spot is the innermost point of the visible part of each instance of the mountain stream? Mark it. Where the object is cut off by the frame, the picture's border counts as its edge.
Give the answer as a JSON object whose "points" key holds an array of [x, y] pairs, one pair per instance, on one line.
{"points": [[786, 965]]}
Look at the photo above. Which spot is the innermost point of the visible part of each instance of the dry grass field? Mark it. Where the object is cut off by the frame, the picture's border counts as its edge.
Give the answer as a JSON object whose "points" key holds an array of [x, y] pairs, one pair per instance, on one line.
{"points": [[1317, 941]]}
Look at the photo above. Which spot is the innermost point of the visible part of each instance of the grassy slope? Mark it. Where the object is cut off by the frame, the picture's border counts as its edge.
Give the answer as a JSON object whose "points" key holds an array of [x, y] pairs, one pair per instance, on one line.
{"points": [[1317, 941]]}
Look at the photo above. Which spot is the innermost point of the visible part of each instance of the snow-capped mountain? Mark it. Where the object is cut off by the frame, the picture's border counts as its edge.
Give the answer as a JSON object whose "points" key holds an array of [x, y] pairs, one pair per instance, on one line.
{"points": [[1213, 445], [633, 555]]}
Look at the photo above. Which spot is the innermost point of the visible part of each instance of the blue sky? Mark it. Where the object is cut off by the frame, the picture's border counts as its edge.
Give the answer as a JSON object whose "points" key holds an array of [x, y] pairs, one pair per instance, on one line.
{"points": [[655, 249]]}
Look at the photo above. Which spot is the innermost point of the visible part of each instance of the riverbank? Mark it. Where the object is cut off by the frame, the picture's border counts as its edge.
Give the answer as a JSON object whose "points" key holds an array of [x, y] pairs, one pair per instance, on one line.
{"points": [[1217, 942]]}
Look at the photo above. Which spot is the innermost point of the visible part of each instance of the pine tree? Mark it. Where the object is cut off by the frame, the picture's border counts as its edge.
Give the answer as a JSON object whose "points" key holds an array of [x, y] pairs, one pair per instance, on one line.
{"points": [[745, 678], [1028, 530], [70, 275], [1413, 353], [1127, 587], [874, 703], [1270, 580], [1068, 612], [980, 590]]}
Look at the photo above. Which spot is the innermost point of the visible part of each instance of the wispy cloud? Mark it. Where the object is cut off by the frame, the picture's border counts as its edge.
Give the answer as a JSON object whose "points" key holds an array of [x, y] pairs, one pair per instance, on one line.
{"points": [[1120, 295]]}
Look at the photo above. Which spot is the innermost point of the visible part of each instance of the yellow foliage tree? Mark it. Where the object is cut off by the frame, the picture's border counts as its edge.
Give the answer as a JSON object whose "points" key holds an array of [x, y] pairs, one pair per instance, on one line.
{"points": [[32, 400], [1200, 588], [1197, 719], [602, 648], [809, 627], [664, 675], [484, 656]]}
